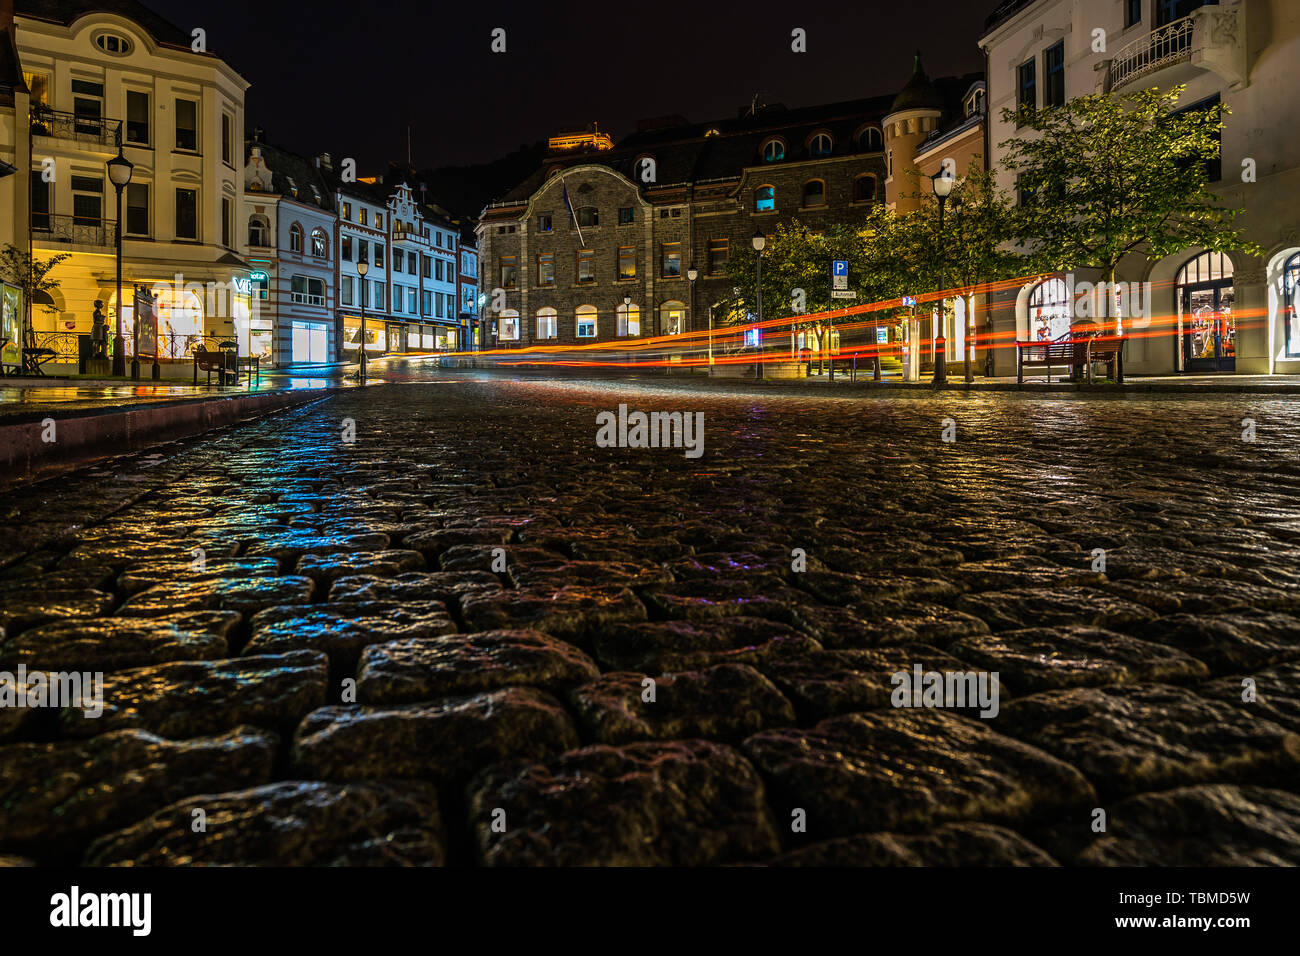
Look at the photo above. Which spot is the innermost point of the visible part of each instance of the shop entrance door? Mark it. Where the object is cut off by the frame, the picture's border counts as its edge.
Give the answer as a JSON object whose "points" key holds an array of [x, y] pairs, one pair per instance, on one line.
{"points": [[1209, 329]]}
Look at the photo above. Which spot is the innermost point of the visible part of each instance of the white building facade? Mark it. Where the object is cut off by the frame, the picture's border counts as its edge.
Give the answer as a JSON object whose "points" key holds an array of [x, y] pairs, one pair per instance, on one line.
{"points": [[96, 79], [290, 218], [1209, 313]]}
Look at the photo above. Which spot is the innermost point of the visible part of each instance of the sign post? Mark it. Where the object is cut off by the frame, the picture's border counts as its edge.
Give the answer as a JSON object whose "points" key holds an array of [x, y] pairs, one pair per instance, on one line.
{"points": [[145, 317]]}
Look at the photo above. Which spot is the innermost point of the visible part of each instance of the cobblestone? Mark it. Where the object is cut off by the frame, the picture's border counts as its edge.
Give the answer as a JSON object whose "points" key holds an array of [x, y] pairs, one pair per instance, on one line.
{"points": [[389, 645]]}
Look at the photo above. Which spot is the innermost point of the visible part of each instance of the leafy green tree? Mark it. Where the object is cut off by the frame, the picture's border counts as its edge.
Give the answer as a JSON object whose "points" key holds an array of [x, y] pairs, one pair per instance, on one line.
{"points": [[30, 274], [1105, 175]]}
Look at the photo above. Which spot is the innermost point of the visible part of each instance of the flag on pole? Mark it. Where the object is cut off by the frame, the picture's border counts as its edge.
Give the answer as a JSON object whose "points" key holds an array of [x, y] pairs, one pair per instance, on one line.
{"points": [[572, 215]]}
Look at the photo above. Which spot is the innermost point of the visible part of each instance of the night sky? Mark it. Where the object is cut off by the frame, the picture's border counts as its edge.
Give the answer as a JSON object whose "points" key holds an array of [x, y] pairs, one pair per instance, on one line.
{"points": [[347, 77]]}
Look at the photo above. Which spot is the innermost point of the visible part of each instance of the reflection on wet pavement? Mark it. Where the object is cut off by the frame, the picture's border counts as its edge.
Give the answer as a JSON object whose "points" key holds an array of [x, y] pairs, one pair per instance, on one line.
{"points": [[650, 659]]}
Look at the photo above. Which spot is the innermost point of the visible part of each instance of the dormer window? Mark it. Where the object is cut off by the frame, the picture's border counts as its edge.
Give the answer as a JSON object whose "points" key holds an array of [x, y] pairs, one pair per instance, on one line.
{"points": [[113, 43], [773, 150], [819, 145]]}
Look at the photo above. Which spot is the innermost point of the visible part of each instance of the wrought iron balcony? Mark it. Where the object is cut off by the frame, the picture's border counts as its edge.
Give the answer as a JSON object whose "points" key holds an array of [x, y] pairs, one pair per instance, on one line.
{"points": [[74, 230], [84, 129], [1170, 44]]}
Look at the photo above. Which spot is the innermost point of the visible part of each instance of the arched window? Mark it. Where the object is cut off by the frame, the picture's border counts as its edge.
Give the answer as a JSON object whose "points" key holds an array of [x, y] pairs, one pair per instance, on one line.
{"points": [[819, 145], [773, 150], [864, 188], [629, 319], [672, 318], [507, 325], [1049, 310], [1290, 281], [259, 230], [871, 140], [546, 323], [320, 244], [295, 238], [814, 193], [1205, 298], [764, 199], [585, 320]]}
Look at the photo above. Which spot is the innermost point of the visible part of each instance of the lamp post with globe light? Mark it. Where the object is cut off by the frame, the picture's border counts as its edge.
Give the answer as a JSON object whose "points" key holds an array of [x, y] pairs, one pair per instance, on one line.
{"points": [[119, 173]]}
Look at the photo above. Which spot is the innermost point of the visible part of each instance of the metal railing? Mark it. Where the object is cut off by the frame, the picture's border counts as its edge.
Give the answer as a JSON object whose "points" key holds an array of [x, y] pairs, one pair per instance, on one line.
{"points": [[1170, 44], [74, 229], [63, 344], [85, 129]]}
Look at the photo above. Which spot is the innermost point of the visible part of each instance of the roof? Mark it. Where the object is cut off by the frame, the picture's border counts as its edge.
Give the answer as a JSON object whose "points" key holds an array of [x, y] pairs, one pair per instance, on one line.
{"points": [[919, 93], [67, 12], [723, 149], [289, 170], [1004, 12]]}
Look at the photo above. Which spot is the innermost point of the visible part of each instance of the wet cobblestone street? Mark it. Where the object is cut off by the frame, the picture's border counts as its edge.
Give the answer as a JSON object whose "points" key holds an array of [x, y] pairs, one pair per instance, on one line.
{"points": [[318, 644]]}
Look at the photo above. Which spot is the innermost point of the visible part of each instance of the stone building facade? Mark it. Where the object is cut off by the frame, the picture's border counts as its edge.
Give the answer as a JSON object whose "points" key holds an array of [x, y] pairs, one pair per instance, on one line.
{"points": [[598, 246]]}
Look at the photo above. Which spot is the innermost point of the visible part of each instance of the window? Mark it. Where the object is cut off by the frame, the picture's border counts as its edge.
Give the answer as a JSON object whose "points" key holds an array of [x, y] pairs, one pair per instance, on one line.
{"points": [[625, 216], [585, 316], [347, 290], [88, 107], [365, 216], [225, 222], [227, 139], [38, 84], [379, 220], [629, 319], [1167, 11], [260, 282], [1214, 165], [1026, 91], [137, 117], [508, 326], [546, 269], [1049, 311], [1291, 308], [544, 222], [773, 150], [426, 303], [586, 265], [1132, 12], [308, 291], [889, 164], [507, 267], [345, 248], [363, 250], [588, 216], [1054, 75], [379, 295], [114, 44], [546, 327], [320, 244], [814, 193], [379, 255], [871, 140], [718, 251], [137, 209], [295, 238], [259, 230], [437, 270], [347, 211], [672, 259], [410, 300], [410, 262], [187, 125], [451, 272], [764, 199], [40, 202], [398, 259], [819, 145], [187, 214], [864, 189], [627, 262], [87, 200], [426, 267], [672, 316]]}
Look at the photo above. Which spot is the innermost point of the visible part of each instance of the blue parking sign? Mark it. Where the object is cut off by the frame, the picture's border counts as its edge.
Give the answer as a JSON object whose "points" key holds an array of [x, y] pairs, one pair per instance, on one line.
{"points": [[839, 274]]}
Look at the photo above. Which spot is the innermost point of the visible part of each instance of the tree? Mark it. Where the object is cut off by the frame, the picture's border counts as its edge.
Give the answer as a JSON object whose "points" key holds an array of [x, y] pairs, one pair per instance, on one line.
{"points": [[30, 274], [1105, 175]]}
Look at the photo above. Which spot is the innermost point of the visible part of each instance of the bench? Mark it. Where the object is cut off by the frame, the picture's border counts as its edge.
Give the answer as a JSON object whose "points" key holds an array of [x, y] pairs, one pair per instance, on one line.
{"points": [[254, 364], [1062, 352], [1099, 347], [221, 362]]}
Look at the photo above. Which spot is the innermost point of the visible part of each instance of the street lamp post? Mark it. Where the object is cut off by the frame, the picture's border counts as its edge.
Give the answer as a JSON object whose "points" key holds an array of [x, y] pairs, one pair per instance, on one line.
{"points": [[362, 268], [691, 275], [760, 241], [942, 183], [119, 173]]}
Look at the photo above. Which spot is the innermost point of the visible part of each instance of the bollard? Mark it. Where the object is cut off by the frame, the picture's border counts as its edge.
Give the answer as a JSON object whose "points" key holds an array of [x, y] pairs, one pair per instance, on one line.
{"points": [[940, 362], [875, 368]]}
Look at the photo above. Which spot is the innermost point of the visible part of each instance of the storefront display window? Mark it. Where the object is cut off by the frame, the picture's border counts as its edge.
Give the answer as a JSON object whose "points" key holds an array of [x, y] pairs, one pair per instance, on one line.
{"points": [[376, 337], [1049, 311], [1291, 282], [1205, 300]]}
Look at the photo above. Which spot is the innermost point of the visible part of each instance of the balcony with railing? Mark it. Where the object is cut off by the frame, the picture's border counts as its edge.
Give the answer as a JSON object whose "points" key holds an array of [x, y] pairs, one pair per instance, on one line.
{"points": [[1158, 49], [74, 230], [88, 130], [1212, 38]]}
